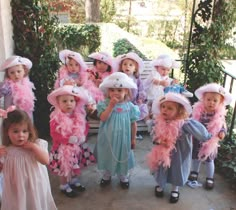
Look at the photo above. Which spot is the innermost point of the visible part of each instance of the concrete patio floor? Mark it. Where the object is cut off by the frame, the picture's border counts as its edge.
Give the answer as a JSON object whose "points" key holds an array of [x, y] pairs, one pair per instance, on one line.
{"points": [[140, 195]]}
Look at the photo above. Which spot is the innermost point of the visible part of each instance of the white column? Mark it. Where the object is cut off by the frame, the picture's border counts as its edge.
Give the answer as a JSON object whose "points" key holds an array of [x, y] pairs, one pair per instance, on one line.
{"points": [[6, 41]]}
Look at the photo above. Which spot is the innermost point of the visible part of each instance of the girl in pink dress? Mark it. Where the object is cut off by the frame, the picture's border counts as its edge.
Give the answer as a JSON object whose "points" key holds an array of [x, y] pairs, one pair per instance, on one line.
{"points": [[16, 88], [67, 128], [26, 183]]}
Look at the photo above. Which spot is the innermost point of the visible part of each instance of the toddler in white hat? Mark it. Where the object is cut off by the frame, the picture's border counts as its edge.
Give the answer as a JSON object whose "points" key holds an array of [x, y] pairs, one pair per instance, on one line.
{"points": [[116, 135], [210, 111], [16, 88], [171, 154]]}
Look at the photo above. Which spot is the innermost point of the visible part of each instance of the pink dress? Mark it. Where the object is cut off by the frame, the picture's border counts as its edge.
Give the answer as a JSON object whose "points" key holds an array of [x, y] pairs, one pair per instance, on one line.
{"points": [[25, 181]]}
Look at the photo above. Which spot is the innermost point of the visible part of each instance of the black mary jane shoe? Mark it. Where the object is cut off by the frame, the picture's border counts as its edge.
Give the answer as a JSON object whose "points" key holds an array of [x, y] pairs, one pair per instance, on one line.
{"points": [[104, 182], [174, 199], [124, 185], [193, 176], [209, 185], [159, 194], [79, 188], [71, 194]]}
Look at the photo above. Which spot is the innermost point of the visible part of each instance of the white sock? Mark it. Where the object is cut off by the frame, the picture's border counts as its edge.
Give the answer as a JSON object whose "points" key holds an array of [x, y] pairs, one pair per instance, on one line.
{"points": [[210, 169], [107, 175], [196, 164], [65, 187]]}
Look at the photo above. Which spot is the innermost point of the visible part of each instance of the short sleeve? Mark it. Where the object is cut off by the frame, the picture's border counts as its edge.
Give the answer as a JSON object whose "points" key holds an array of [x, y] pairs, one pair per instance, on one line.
{"points": [[101, 107], [4, 89], [43, 144], [134, 112], [196, 129]]}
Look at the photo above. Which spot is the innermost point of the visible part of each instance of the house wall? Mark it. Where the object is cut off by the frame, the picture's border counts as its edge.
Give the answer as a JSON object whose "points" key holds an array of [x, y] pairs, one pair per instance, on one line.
{"points": [[6, 31]]}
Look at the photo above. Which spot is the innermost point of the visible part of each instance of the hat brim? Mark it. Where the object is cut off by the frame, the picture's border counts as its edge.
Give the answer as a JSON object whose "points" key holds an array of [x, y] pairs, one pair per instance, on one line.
{"points": [[14, 61], [173, 97], [214, 88], [79, 92]]}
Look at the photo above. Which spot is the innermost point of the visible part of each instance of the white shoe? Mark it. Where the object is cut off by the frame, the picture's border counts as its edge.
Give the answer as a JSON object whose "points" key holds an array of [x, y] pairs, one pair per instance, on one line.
{"points": [[186, 93]]}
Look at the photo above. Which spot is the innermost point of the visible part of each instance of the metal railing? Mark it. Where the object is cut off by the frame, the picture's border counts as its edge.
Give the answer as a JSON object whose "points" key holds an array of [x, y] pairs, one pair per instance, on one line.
{"points": [[229, 83]]}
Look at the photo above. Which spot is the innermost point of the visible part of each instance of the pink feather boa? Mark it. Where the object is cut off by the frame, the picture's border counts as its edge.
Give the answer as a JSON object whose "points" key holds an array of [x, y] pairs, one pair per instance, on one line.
{"points": [[96, 93], [210, 148], [23, 95], [68, 155], [165, 135], [70, 125]]}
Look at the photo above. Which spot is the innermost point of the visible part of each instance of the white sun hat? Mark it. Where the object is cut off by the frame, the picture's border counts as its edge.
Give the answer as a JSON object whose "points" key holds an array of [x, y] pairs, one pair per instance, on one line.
{"points": [[214, 88], [132, 56], [78, 92], [65, 54], [165, 61], [14, 61], [173, 97], [117, 80]]}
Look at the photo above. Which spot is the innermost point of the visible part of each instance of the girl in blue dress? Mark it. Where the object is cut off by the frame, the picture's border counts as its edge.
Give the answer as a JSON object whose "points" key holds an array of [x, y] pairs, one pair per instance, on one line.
{"points": [[170, 157], [116, 135]]}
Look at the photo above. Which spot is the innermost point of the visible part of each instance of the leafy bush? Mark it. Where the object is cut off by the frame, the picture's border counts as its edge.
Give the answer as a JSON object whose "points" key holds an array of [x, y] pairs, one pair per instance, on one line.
{"points": [[81, 38], [123, 46], [33, 30]]}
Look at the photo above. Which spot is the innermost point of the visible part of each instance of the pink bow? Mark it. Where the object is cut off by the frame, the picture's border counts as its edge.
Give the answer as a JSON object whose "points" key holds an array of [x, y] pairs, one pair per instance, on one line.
{"points": [[3, 113]]}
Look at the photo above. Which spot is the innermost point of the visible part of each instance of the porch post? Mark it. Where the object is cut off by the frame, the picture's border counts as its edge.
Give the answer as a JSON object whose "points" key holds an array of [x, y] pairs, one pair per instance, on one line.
{"points": [[6, 31]]}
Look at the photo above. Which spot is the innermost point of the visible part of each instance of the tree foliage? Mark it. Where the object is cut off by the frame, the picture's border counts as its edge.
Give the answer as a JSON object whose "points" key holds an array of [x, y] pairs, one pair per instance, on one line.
{"points": [[212, 27]]}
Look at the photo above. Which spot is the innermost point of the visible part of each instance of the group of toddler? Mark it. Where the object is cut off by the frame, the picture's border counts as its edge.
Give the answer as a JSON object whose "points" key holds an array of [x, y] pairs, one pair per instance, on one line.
{"points": [[113, 92]]}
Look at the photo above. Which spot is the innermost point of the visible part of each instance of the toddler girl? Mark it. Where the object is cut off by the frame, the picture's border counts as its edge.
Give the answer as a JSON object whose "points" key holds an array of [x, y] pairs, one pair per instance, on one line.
{"points": [[159, 77], [67, 128], [26, 182], [131, 64], [102, 67], [210, 111], [170, 157], [116, 135], [16, 88]]}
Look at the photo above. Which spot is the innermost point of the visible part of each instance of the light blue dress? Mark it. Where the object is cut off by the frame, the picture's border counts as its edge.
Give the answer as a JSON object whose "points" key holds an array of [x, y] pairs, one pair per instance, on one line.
{"points": [[113, 147], [181, 157]]}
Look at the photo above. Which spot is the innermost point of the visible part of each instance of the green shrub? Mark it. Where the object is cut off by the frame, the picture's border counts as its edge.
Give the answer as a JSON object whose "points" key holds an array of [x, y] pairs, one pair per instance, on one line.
{"points": [[123, 46]]}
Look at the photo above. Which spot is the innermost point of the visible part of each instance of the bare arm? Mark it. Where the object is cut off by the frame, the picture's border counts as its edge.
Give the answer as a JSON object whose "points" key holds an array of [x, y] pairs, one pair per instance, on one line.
{"points": [[133, 134], [40, 154]]}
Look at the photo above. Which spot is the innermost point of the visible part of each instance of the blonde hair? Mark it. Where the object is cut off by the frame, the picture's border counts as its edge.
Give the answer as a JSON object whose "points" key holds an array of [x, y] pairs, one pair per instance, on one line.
{"points": [[17, 117], [182, 113]]}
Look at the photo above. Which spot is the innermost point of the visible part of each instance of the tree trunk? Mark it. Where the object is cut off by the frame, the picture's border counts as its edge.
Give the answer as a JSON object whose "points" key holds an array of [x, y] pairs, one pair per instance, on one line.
{"points": [[92, 11]]}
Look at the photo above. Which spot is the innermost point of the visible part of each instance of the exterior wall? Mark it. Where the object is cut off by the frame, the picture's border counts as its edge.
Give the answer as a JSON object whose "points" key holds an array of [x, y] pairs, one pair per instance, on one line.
{"points": [[6, 41]]}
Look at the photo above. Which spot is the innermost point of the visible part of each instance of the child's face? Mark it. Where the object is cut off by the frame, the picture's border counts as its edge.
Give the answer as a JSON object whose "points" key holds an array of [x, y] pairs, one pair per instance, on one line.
{"points": [[73, 66], [18, 133], [169, 110], [66, 103], [128, 66], [163, 71], [101, 66], [16, 73], [211, 101], [118, 93]]}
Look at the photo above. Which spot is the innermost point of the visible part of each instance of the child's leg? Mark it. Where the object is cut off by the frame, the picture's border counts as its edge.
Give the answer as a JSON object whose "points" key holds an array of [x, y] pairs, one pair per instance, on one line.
{"points": [[174, 196], [195, 170], [210, 170], [65, 187]]}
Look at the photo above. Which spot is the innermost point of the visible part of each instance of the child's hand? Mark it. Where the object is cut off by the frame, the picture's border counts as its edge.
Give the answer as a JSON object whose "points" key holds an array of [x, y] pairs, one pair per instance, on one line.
{"points": [[30, 145], [98, 82], [133, 144], [156, 82], [3, 151], [113, 102], [175, 82], [221, 135], [164, 83], [69, 82]]}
